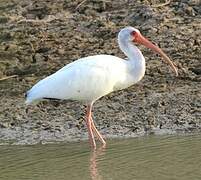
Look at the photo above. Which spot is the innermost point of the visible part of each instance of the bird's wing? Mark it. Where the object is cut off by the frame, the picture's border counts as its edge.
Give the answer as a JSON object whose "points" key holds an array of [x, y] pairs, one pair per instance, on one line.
{"points": [[86, 79]]}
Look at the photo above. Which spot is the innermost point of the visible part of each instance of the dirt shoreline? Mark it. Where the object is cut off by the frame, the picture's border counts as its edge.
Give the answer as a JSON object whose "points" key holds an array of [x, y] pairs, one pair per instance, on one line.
{"points": [[38, 38]]}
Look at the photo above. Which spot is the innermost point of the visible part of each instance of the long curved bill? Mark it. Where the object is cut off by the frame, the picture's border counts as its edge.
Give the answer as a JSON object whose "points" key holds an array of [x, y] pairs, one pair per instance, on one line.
{"points": [[142, 40]]}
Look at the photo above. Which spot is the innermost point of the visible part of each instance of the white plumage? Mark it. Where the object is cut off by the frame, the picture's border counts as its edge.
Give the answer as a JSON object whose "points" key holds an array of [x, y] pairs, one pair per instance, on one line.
{"points": [[92, 77], [86, 79]]}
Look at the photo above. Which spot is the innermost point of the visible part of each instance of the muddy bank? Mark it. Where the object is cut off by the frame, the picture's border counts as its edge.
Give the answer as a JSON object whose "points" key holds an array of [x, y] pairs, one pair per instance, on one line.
{"points": [[38, 38]]}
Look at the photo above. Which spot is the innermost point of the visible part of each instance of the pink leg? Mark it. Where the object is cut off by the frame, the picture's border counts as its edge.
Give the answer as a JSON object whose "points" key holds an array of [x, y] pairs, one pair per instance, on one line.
{"points": [[99, 136], [89, 127]]}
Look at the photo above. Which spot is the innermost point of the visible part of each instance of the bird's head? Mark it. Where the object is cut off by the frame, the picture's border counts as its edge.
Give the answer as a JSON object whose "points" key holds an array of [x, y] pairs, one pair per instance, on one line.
{"points": [[131, 34], [127, 34]]}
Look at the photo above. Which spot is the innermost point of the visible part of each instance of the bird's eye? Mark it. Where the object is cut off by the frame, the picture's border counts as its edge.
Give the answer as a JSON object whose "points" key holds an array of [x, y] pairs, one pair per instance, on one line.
{"points": [[133, 33]]}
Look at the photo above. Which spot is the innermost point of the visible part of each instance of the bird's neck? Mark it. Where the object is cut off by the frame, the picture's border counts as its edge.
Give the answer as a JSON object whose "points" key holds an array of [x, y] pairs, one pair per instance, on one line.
{"points": [[131, 51], [136, 60]]}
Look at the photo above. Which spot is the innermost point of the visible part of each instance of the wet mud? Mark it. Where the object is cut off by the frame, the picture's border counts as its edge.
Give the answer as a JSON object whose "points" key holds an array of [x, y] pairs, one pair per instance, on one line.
{"points": [[39, 37]]}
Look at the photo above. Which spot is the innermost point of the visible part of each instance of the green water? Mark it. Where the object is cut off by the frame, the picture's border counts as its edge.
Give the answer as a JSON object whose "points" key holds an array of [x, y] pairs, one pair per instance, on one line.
{"points": [[151, 158]]}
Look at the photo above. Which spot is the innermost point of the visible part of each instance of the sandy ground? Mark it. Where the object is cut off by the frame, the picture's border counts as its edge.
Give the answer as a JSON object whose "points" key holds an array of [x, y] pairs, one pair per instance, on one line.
{"points": [[39, 37]]}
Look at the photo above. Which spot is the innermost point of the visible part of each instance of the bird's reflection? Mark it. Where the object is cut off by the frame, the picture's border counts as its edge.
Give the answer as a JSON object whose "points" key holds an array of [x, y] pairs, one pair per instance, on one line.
{"points": [[93, 167]]}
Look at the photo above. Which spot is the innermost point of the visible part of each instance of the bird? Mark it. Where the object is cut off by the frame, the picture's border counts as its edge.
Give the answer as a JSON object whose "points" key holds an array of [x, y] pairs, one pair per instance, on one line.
{"points": [[90, 78]]}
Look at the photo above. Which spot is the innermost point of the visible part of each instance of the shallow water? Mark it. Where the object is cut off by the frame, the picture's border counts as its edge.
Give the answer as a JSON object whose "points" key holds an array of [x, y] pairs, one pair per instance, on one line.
{"points": [[164, 157]]}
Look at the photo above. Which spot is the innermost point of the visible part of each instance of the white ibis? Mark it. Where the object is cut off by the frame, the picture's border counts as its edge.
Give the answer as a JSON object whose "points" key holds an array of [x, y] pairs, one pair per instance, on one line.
{"points": [[92, 77]]}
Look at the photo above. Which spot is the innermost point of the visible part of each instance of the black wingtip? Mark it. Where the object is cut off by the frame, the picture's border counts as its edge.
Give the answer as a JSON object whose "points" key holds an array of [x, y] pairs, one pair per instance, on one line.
{"points": [[54, 99], [26, 94]]}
